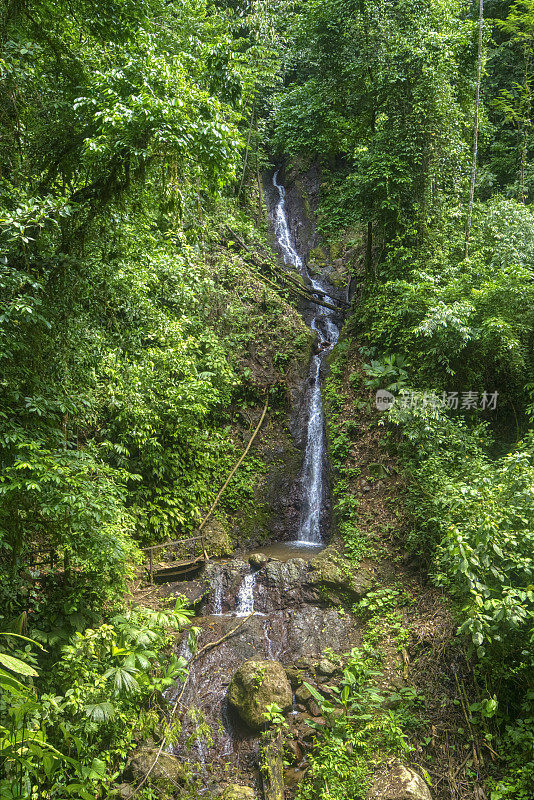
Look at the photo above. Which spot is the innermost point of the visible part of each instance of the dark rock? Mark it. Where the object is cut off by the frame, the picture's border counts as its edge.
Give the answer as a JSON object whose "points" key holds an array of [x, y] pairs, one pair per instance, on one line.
{"points": [[254, 686], [302, 695], [313, 708], [193, 591], [293, 777], [293, 751]]}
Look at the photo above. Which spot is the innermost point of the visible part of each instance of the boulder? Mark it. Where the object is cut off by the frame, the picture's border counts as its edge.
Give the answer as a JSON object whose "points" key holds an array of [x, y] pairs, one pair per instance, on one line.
{"points": [[326, 667], [303, 694], [336, 575], [254, 686], [237, 792], [295, 676], [258, 560], [399, 782], [167, 772], [194, 591], [293, 777], [123, 791]]}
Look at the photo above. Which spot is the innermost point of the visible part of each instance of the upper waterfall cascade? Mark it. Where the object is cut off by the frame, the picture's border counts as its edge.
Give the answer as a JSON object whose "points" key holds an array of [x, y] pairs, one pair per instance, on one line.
{"points": [[313, 470]]}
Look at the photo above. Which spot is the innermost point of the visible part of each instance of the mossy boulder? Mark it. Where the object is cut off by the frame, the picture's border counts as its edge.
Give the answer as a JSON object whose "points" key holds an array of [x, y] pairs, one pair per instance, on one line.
{"points": [[336, 249], [317, 256], [399, 782], [167, 772], [237, 792], [335, 574], [254, 686], [216, 539]]}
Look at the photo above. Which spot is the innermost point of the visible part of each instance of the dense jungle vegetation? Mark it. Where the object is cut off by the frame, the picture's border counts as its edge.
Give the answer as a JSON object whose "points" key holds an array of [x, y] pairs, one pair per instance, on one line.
{"points": [[132, 134]]}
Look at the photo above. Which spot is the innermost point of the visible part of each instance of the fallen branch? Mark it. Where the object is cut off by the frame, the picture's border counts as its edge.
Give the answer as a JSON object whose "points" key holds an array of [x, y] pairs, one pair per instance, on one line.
{"points": [[207, 646], [301, 289], [227, 481]]}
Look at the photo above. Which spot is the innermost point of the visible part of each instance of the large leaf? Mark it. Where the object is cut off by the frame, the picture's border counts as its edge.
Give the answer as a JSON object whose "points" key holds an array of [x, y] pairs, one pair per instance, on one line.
{"points": [[18, 666], [10, 684], [100, 712]]}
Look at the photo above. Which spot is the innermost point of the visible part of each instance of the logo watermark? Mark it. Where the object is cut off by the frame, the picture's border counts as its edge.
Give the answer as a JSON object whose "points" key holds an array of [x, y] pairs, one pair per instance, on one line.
{"points": [[467, 401], [384, 399]]}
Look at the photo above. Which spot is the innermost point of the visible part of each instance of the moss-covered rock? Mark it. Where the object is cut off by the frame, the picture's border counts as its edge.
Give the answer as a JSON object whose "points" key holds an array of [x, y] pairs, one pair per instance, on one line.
{"points": [[237, 792], [167, 772], [254, 686], [317, 256], [399, 782], [216, 539], [295, 676], [334, 573]]}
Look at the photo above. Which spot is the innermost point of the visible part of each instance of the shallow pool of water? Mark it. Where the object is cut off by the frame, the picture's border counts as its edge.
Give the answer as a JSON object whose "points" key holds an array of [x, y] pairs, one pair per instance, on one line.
{"points": [[283, 551]]}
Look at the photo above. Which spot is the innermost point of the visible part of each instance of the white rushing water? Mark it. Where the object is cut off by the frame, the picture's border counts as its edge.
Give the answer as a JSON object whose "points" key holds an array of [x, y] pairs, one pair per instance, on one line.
{"points": [[245, 596], [281, 228], [313, 485], [217, 595]]}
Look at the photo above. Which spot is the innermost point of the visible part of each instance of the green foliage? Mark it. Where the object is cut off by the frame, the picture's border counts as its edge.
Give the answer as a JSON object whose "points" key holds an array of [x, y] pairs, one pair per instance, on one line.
{"points": [[359, 732], [386, 373], [274, 716], [70, 739]]}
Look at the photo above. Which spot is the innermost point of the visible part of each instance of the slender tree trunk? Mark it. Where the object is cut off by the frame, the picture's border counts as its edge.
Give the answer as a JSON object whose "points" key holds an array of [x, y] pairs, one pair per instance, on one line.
{"points": [[525, 130], [475, 128], [369, 248], [246, 153]]}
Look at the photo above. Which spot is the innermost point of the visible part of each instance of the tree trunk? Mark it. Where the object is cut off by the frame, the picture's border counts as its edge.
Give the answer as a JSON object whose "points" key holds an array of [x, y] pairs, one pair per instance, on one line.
{"points": [[525, 130], [272, 766], [475, 128]]}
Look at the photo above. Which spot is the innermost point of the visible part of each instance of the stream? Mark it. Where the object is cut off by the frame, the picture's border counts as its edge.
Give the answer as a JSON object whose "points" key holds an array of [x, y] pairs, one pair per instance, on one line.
{"points": [[270, 593]]}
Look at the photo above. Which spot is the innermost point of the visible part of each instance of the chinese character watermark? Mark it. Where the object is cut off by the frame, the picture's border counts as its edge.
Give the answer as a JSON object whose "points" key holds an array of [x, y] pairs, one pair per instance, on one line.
{"points": [[466, 401]]}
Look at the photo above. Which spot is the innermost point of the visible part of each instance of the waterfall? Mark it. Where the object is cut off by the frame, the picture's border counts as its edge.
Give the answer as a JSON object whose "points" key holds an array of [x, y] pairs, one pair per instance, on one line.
{"points": [[217, 595], [312, 477], [281, 228], [245, 596]]}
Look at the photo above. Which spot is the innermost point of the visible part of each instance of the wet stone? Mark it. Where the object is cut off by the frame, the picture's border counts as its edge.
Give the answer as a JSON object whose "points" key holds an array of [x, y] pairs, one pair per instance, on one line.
{"points": [[326, 667], [295, 676]]}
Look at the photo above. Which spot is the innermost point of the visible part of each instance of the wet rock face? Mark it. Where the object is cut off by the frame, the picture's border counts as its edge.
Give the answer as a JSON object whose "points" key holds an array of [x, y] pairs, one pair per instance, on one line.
{"points": [[399, 782], [224, 581], [255, 686], [292, 625], [216, 539]]}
